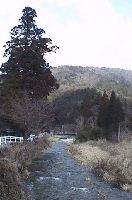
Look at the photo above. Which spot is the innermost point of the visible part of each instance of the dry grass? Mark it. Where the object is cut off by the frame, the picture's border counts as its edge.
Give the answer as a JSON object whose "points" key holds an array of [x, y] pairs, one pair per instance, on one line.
{"points": [[13, 166], [22, 154], [54, 138], [112, 162], [10, 186]]}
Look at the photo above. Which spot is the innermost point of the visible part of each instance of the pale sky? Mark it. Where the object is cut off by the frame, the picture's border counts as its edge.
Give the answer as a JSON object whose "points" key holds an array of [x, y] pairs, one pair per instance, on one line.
{"points": [[88, 32]]}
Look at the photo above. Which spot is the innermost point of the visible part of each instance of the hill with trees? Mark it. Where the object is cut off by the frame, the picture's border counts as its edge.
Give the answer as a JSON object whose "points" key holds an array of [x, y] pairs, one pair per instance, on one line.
{"points": [[72, 106], [82, 89], [77, 77]]}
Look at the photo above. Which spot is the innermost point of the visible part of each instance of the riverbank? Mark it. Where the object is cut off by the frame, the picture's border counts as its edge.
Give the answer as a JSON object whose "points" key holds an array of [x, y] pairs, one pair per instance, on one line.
{"points": [[112, 162], [14, 162]]}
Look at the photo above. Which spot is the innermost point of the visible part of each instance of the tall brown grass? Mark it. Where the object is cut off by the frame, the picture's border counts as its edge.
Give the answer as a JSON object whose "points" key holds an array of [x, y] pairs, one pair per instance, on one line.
{"points": [[111, 161], [14, 161]]}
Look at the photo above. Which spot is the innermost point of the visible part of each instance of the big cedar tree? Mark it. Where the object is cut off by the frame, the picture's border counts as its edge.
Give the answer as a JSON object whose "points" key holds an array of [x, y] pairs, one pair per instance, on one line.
{"points": [[26, 68]]}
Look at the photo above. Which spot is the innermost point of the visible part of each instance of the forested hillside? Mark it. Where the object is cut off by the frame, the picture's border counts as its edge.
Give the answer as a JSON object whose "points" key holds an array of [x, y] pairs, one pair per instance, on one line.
{"points": [[78, 98], [71, 106], [77, 77]]}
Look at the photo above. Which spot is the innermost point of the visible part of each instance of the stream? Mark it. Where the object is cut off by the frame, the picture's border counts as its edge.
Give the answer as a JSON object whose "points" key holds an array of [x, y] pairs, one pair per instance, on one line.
{"points": [[57, 176]]}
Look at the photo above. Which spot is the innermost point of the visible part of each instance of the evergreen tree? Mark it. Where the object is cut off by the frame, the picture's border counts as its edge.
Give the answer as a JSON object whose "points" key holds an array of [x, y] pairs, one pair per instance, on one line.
{"points": [[120, 111], [115, 114], [26, 68], [111, 115], [103, 108]]}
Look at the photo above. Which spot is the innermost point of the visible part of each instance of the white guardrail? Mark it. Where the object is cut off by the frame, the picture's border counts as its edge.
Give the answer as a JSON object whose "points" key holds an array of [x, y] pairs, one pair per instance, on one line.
{"points": [[10, 139]]}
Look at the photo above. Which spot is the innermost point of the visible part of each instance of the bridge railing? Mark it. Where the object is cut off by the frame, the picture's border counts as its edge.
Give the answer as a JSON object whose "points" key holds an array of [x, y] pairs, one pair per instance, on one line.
{"points": [[10, 139]]}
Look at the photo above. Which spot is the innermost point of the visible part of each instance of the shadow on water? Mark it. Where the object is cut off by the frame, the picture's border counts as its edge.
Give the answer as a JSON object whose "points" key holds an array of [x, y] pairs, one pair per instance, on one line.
{"points": [[57, 176]]}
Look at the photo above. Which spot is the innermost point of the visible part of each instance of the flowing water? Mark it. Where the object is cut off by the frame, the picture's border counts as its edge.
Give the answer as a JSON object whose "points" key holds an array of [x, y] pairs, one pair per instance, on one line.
{"points": [[57, 176]]}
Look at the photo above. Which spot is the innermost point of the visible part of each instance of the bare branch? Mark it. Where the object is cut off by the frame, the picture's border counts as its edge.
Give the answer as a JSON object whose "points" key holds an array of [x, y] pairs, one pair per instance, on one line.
{"points": [[31, 114]]}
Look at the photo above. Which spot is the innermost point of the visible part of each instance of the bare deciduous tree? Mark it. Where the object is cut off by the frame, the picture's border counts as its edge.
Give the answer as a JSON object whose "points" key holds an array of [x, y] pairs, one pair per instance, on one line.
{"points": [[31, 114]]}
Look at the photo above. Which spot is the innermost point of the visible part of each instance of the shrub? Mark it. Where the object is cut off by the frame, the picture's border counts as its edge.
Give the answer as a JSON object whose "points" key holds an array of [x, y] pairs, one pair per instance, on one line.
{"points": [[84, 133], [96, 133], [89, 133], [10, 186], [14, 161]]}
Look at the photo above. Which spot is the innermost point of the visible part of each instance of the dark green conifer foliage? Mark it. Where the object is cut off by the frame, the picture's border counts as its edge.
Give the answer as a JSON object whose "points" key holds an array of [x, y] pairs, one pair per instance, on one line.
{"points": [[110, 116], [120, 111], [112, 108], [26, 68], [103, 108], [115, 114]]}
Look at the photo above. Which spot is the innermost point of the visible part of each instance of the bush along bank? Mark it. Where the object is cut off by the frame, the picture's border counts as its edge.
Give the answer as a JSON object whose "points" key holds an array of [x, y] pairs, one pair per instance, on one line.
{"points": [[110, 161], [14, 162]]}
